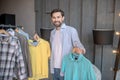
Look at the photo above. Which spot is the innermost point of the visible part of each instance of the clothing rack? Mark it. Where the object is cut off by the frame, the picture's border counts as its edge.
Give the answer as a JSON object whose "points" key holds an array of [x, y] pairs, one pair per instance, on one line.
{"points": [[5, 27]]}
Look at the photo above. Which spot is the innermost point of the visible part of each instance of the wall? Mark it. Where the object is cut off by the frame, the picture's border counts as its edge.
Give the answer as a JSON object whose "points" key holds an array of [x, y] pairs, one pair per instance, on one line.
{"points": [[24, 12]]}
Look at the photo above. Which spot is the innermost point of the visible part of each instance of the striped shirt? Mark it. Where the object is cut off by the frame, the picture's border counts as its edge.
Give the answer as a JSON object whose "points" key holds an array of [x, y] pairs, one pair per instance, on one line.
{"points": [[11, 58], [69, 39]]}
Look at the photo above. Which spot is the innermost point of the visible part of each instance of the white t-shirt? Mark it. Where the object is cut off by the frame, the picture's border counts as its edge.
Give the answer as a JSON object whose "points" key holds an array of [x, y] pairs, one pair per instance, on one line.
{"points": [[58, 50]]}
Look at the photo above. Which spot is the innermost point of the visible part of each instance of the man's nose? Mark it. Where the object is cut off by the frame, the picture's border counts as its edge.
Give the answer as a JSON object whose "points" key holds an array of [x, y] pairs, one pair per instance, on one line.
{"points": [[56, 19]]}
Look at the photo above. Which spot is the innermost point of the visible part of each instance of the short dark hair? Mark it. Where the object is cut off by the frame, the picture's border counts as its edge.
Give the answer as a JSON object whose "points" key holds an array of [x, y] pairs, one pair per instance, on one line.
{"points": [[57, 10]]}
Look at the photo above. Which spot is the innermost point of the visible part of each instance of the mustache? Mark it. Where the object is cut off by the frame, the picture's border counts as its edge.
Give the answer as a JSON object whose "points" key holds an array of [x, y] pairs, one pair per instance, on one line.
{"points": [[56, 21]]}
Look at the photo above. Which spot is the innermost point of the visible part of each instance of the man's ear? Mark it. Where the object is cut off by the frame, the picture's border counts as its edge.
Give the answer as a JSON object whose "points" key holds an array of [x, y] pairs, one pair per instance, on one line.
{"points": [[63, 18]]}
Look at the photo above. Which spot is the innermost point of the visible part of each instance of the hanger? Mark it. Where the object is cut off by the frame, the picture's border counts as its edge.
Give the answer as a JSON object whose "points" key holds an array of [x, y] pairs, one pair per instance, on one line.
{"points": [[2, 31]]}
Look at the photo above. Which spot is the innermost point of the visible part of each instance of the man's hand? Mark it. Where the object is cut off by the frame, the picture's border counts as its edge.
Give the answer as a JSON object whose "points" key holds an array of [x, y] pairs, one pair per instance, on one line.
{"points": [[36, 37], [77, 50]]}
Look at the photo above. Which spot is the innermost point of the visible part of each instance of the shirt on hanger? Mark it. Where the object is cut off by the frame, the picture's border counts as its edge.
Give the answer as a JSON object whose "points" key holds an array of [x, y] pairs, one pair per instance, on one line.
{"points": [[26, 54], [20, 31], [39, 55], [11, 58], [24, 48], [79, 68]]}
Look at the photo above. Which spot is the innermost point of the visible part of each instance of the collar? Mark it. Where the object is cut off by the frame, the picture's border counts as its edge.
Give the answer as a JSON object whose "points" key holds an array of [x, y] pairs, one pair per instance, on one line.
{"points": [[63, 26], [37, 43], [73, 55], [5, 39], [11, 32]]}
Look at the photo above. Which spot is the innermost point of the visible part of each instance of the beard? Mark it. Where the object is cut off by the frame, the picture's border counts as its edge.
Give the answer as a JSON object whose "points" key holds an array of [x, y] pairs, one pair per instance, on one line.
{"points": [[57, 23]]}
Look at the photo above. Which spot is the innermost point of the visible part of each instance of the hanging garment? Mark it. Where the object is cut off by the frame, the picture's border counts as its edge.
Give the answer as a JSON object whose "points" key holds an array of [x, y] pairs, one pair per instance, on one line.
{"points": [[25, 49], [20, 31], [118, 75], [97, 73], [11, 58], [39, 55], [77, 67]]}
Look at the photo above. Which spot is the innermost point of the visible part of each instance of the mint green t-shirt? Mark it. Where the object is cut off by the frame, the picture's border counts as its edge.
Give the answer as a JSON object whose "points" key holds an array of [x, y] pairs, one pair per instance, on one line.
{"points": [[77, 67]]}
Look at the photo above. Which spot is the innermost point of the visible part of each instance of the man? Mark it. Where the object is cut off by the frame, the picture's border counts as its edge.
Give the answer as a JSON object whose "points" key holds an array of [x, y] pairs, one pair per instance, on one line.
{"points": [[63, 39]]}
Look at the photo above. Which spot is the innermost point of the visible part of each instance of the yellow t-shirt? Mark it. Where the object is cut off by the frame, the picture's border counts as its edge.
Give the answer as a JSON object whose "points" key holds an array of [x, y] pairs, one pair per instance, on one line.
{"points": [[39, 55]]}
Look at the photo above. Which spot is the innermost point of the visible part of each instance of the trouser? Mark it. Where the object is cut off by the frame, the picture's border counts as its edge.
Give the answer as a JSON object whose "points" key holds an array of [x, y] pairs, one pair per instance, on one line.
{"points": [[56, 75]]}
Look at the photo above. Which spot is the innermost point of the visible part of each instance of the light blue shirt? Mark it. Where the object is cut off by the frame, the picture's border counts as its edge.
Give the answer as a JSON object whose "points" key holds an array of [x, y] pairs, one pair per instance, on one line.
{"points": [[77, 69], [20, 31], [69, 37]]}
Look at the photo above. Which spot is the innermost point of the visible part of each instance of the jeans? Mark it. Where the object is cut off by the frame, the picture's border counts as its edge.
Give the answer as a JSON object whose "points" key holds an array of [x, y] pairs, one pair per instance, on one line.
{"points": [[56, 75]]}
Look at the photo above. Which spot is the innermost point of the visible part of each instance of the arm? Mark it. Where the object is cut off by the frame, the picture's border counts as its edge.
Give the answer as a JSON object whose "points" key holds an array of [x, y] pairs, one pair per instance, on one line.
{"points": [[76, 41]]}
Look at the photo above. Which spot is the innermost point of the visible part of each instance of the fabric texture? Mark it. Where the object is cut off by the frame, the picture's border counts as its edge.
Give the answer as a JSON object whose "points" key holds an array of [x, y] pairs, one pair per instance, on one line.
{"points": [[25, 51], [77, 67], [11, 58], [24, 48], [39, 55], [20, 31], [58, 49], [97, 73]]}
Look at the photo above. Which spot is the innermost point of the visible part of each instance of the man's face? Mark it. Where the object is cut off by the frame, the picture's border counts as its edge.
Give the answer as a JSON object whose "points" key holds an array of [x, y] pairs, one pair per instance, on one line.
{"points": [[57, 19]]}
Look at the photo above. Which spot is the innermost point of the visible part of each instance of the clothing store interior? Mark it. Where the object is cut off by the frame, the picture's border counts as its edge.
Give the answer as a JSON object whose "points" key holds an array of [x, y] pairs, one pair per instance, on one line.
{"points": [[25, 34]]}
